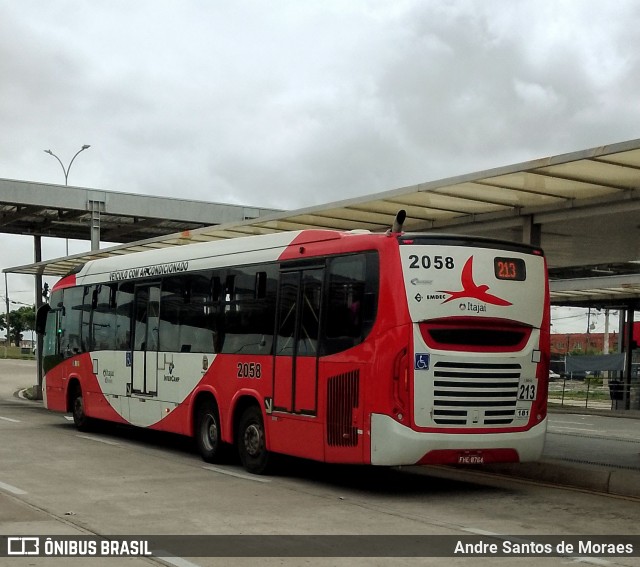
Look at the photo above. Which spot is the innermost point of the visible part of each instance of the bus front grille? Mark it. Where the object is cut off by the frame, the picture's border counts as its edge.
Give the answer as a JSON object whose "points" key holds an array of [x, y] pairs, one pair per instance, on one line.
{"points": [[475, 394]]}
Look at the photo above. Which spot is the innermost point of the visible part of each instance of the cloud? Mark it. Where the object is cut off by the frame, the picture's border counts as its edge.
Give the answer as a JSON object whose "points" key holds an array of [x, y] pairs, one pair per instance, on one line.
{"points": [[290, 104], [175, 93]]}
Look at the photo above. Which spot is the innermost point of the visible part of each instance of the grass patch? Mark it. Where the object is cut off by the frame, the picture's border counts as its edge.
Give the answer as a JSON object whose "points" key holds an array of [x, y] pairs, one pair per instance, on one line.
{"points": [[16, 353]]}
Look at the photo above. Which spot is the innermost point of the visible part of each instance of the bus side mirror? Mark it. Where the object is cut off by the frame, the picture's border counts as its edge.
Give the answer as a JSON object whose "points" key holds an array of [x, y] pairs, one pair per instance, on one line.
{"points": [[41, 318]]}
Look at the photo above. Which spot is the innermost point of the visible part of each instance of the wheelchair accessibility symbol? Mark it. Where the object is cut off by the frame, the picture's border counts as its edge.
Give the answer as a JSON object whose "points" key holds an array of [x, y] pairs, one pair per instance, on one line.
{"points": [[421, 361]]}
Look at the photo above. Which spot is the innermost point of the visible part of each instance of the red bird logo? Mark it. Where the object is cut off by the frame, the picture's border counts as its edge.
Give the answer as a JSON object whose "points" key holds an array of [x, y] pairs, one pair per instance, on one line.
{"points": [[473, 291]]}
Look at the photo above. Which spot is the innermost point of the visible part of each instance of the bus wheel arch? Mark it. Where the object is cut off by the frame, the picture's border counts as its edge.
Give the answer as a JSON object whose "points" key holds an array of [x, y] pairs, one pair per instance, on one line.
{"points": [[207, 429]]}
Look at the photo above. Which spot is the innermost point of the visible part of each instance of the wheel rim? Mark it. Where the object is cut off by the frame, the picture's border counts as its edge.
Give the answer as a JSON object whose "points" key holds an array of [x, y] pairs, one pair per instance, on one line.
{"points": [[209, 432], [253, 440]]}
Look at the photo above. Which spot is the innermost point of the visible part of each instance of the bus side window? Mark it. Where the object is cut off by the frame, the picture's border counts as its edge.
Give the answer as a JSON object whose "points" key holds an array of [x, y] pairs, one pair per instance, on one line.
{"points": [[71, 340], [50, 326], [124, 301], [89, 301], [351, 300], [185, 314], [217, 311], [103, 317], [249, 310]]}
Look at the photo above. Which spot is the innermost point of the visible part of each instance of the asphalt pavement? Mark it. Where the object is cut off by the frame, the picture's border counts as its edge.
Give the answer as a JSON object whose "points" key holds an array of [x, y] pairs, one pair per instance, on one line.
{"points": [[595, 450]]}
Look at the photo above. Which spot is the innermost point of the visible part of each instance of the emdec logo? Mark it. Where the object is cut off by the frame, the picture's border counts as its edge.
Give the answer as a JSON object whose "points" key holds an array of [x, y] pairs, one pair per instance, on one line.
{"points": [[473, 291]]}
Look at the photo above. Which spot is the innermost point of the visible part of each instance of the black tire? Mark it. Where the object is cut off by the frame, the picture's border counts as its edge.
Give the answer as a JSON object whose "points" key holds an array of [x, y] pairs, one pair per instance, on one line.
{"points": [[82, 422], [251, 441], [208, 434]]}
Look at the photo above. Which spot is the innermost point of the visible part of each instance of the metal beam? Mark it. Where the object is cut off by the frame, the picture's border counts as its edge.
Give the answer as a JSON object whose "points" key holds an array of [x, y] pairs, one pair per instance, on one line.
{"points": [[21, 212]]}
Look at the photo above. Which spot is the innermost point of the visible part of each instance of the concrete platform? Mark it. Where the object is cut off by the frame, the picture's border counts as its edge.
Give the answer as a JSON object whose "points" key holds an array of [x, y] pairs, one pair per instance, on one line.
{"points": [[593, 462]]}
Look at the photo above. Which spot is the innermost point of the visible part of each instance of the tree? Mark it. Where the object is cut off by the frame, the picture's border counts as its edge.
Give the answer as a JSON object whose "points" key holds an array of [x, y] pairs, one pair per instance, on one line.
{"points": [[20, 320]]}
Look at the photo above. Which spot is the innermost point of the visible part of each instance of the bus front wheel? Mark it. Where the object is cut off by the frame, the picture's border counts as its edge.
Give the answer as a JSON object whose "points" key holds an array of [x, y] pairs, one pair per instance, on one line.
{"points": [[208, 439], [80, 418], [252, 445]]}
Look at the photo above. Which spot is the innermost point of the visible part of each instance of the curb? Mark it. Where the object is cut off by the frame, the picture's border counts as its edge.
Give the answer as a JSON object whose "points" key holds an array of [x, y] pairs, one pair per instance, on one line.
{"points": [[21, 395], [616, 482], [619, 482], [577, 410]]}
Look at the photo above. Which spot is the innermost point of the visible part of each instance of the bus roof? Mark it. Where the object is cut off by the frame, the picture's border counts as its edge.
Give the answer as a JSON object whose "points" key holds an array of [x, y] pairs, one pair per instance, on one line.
{"points": [[162, 261]]}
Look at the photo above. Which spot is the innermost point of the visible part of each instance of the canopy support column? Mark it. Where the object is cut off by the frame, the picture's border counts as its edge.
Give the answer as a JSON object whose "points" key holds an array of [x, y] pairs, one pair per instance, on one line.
{"points": [[531, 232], [37, 257]]}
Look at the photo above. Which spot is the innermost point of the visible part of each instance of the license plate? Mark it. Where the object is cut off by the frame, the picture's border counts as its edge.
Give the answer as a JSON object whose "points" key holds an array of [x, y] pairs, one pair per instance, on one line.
{"points": [[471, 459]]}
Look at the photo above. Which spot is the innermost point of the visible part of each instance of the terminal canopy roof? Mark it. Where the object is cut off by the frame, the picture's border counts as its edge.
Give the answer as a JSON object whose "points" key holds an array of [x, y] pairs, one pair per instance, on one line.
{"points": [[582, 208]]}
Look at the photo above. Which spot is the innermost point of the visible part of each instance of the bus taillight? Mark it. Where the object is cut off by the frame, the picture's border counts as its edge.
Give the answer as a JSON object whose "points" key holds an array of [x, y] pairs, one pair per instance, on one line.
{"points": [[401, 385]]}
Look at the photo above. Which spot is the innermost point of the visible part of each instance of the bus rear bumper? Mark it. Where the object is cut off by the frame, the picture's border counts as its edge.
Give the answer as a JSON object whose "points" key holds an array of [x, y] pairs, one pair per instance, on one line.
{"points": [[394, 444]]}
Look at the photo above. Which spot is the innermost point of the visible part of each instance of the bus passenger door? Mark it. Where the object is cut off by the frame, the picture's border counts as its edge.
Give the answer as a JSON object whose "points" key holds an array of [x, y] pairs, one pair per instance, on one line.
{"points": [[296, 353], [144, 370]]}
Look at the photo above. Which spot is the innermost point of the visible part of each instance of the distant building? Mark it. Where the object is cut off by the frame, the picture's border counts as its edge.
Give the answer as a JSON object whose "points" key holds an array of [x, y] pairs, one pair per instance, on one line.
{"points": [[586, 343]]}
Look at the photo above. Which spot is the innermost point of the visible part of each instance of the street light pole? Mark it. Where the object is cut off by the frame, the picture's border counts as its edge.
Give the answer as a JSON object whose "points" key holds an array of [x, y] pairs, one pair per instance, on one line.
{"points": [[66, 172], [37, 389]]}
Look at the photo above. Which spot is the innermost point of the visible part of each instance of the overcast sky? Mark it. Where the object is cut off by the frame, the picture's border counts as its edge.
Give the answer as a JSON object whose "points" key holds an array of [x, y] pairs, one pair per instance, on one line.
{"points": [[287, 104]]}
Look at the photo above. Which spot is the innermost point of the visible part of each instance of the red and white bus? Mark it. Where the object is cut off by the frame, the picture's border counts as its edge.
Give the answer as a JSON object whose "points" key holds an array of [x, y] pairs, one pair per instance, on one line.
{"points": [[343, 347]]}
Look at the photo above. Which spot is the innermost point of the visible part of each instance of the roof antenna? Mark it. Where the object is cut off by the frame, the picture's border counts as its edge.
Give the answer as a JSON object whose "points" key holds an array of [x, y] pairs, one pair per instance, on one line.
{"points": [[398, 222]]}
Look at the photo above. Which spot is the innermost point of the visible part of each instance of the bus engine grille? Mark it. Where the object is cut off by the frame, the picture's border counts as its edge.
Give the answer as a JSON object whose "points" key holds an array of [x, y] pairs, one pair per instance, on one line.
{"points": [[475, 394], [343, 395]]}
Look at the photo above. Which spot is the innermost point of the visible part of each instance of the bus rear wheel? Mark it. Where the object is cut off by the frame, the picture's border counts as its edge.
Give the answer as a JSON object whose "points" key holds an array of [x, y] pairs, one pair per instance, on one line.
{"points": [[208, 440], [252, 445]]}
